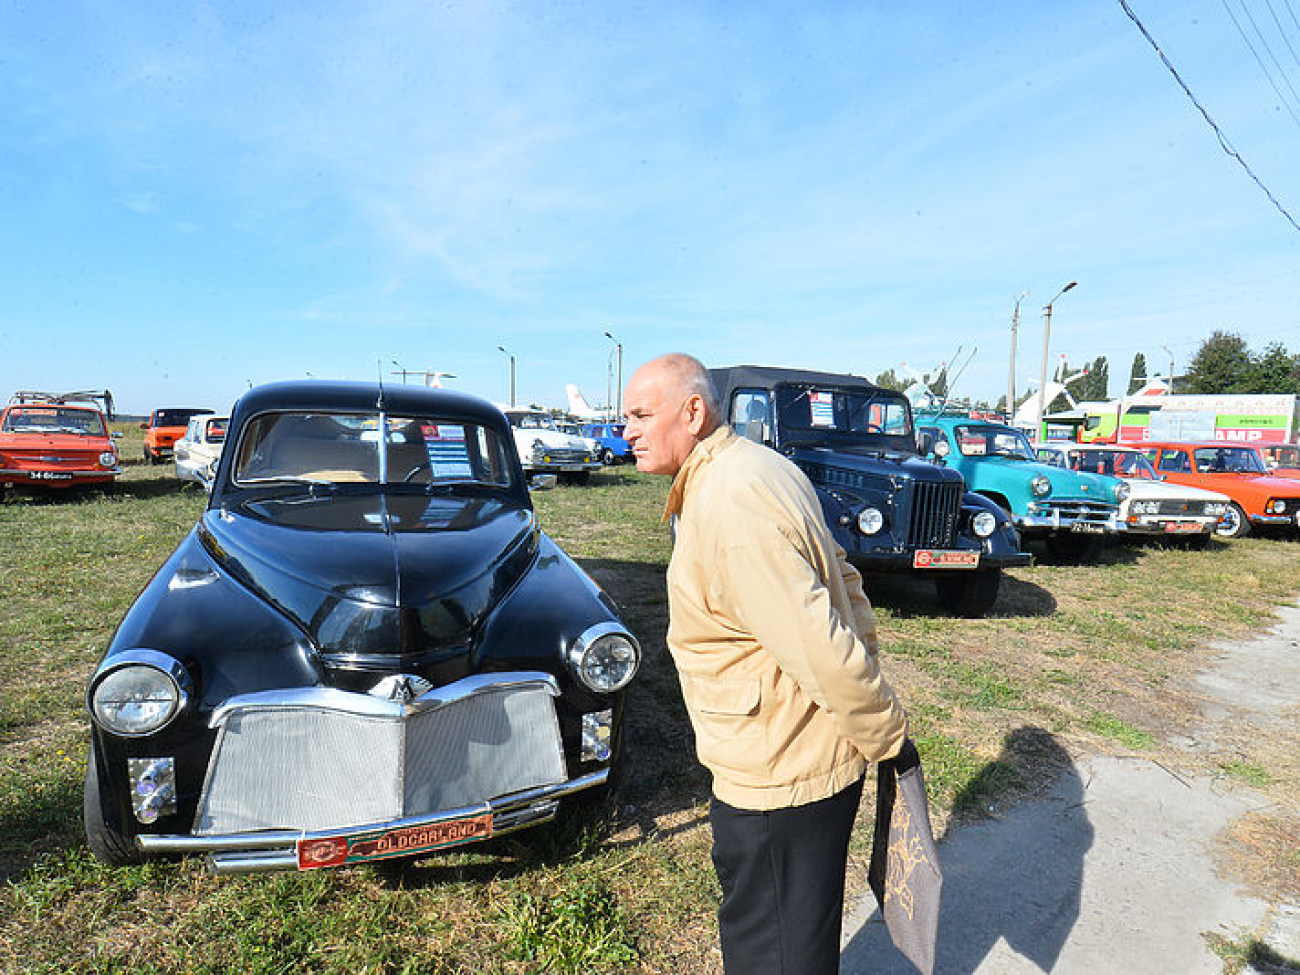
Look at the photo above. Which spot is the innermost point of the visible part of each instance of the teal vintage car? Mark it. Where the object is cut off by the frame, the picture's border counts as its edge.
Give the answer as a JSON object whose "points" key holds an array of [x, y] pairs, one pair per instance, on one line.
{"points": [[1072, 512]]}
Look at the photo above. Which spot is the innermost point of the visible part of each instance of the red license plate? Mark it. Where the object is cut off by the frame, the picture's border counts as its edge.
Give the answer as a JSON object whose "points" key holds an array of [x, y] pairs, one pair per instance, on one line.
{"points": [[934, 558], [337, 851], [1175, 527]]}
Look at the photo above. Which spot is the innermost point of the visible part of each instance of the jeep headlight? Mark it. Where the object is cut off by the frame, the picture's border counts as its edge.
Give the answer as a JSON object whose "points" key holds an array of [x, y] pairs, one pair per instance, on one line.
{"points": [[138, 693], [1041, 485], [870, 521], [1122, 490], [984, 524], [605, 657]]}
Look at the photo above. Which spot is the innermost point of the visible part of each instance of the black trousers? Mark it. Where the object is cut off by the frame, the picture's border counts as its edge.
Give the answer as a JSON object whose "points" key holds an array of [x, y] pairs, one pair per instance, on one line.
{"points": [[782, 877]]}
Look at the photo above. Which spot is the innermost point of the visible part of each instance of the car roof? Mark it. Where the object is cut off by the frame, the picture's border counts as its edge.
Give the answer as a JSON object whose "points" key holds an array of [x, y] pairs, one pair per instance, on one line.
{"points": [[342, 397], [728, 378], [1197, 444]]}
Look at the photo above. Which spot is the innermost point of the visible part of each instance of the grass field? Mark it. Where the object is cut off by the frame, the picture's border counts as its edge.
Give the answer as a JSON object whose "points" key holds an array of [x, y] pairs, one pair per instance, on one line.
{"points": [[1073, 659]]}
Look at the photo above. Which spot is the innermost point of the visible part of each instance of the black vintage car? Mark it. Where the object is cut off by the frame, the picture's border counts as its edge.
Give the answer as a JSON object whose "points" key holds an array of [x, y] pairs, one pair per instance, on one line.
{"points": [[888, 507], [366, 648]]}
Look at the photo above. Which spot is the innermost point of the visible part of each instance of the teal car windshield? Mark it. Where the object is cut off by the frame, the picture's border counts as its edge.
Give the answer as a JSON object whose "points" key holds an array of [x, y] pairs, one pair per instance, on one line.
{"points": [[978, 440]]}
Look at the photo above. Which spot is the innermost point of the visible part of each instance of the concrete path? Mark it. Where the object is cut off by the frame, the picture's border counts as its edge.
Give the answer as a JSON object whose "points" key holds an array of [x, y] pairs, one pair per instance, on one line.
{"points": [[1111, 871]]}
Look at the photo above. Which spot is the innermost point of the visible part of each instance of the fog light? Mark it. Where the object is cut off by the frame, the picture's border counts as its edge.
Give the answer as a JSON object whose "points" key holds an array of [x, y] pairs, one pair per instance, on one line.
{"points": [[598, 736], [984, 524], [153, 787], [870, 521]]}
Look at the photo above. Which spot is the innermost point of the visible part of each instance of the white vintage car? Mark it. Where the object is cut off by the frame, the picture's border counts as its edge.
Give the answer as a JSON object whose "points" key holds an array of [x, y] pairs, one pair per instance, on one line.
{"points": [[196, 453], [545, 449], [1153, 506]]}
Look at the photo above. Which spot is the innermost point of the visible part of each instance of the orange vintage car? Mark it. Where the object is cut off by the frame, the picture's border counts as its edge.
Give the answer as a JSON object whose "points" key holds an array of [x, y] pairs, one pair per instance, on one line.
{"points": [[1281, 459], [1234, 469], [162, 431], [48, 442]]}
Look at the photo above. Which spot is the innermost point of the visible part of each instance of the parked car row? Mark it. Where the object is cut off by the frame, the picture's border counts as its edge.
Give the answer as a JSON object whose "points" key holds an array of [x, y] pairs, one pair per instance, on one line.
{"points": [[56, 440]]}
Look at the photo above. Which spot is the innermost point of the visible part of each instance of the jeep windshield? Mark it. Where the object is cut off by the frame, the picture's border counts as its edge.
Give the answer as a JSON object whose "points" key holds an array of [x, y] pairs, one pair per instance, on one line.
{"points": [[981, 440], [348, 448], [844, 416], [54, 419]]}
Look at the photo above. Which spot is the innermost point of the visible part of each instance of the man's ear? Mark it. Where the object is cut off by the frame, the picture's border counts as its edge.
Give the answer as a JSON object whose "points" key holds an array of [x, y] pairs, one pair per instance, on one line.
{"points": [[696, 416]]}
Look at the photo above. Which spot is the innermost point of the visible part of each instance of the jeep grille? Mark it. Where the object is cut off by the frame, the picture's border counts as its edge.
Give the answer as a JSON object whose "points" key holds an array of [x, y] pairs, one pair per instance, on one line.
{"points": [[935, 508]]}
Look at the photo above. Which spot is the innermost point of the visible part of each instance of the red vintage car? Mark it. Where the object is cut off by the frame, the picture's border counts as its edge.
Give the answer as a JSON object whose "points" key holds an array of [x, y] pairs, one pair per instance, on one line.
{"points": [[1234, 469], [1282, 459], [48, 441]]}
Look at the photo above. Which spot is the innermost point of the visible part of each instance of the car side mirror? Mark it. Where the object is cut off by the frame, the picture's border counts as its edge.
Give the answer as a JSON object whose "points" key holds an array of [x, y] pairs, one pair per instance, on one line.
{"points": [[144, 426], [543, 482]]}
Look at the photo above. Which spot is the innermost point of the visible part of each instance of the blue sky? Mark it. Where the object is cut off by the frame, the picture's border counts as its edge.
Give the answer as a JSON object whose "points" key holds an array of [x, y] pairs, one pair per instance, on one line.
{"points": [[199, 197]]}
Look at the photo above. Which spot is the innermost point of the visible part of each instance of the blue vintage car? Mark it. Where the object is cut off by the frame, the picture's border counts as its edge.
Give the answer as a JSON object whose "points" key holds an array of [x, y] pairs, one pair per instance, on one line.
{"points": [[613, 448], [366, 648], [1071, 511], [888, 507]]}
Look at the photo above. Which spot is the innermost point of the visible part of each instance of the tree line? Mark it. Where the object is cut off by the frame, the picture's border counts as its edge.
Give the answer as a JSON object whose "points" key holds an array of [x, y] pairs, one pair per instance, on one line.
{"points": [[1223, 364]]}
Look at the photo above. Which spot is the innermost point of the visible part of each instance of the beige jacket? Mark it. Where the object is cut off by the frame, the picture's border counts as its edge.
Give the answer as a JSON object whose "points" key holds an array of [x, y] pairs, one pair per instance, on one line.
{"points": [[774, 641]]}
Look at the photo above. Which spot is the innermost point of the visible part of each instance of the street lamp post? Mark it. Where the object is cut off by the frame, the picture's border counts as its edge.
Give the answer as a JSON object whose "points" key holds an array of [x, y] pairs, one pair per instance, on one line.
{"points": [[512, 372], [1011, 375], [1042, 377], [618, 346], [1171, 367]]}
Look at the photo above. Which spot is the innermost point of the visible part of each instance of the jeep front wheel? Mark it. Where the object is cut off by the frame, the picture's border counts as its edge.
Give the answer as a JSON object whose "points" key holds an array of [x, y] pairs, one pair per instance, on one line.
{"points": [[968, 594]]}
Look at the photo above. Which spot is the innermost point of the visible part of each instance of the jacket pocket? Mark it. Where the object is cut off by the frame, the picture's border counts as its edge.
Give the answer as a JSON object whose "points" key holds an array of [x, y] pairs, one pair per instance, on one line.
{"points": [[728, 729]]}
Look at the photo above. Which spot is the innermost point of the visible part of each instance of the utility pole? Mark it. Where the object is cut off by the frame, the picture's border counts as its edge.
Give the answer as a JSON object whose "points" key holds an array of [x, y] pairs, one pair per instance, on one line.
{"points": [[1042, 382], [618, 412], [1011, 376]]}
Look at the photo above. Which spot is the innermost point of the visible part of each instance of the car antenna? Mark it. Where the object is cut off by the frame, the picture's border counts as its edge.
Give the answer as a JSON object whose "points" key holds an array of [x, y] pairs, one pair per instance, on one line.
{"points": [[379, 403]]}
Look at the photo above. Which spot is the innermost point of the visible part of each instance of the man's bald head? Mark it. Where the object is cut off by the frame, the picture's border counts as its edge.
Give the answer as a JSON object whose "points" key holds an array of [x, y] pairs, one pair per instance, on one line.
{"points": [[671, 406]]}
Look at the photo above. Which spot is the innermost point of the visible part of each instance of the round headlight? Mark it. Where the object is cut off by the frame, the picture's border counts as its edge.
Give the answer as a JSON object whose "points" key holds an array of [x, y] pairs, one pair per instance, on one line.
{"points": [[941, 448], [1041, 485], [984, 524], [1122, 490], [870, 521], [107, 459], [605, 657], [137, 698]]}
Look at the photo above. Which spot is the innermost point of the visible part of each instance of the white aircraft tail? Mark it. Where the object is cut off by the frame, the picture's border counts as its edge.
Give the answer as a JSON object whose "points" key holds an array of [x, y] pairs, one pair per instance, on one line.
{"points": [[578, 405]]}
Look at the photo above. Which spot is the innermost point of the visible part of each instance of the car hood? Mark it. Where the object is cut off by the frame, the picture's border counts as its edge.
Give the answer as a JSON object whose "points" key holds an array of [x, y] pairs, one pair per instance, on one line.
{"points": [[1144, 490], [377, 577], [64, 442], [1065, 483], [1263, 484], [525, 437]]}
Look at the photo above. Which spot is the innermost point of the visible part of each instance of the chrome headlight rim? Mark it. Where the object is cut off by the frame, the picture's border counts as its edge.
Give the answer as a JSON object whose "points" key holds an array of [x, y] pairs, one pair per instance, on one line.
{"points": [[1122, 491], [1041, 485], [108, 459], [870, 521], [983, 524], [592, 640], [177, 680]]}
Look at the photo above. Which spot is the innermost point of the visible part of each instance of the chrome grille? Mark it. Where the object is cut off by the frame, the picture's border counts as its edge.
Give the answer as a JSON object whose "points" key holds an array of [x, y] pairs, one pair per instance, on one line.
{"points": [[307, 766], [566, 455], [1096, 511], [935, 508]]}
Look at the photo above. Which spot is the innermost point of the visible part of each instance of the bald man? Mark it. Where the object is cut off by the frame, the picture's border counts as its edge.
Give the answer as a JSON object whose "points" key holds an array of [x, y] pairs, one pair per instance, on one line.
{"points": [[775, 646]]}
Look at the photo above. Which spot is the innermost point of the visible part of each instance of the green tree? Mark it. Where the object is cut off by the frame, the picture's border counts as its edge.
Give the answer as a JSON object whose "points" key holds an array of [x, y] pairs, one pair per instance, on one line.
{"points": [[1221, 365], [1095, 385], [1137, 375], [1276, 371], [890, 380]]}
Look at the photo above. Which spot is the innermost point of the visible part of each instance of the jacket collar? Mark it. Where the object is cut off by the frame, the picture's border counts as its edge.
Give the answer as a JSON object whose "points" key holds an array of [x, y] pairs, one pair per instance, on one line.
{"points": [[700, 454]]}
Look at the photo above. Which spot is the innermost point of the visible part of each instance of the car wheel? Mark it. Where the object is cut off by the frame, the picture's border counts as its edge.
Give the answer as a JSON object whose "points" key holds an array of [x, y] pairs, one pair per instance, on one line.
{"points": [[968, 594], [1234, 523], [1075, 549], [607, 457], [107, 839]]}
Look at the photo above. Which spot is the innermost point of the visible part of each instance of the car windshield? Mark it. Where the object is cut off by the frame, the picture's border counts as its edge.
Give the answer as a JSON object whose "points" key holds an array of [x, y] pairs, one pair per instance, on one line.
{"points": [[1284, 456], [347, 448], [54, 419], [174, 418], [844, 411], [1116, 463], [991, 441], [1229, 460], [532, 421], [215, 430]]}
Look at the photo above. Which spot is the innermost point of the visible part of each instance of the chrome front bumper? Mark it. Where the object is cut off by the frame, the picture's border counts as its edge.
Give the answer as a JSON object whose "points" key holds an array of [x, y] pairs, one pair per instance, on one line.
{"points": [[258, 852]]}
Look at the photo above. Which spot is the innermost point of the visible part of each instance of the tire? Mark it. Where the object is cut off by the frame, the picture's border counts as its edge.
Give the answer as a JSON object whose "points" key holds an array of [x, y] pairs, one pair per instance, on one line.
{"points": [[1076, 549], [107, 838], [1235, 524], [968, 594]]}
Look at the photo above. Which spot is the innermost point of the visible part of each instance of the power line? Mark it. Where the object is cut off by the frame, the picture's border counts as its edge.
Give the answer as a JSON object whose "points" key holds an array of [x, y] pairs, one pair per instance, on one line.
{"points": [[1223, 139], [1282, 30], [1258, 60]]}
